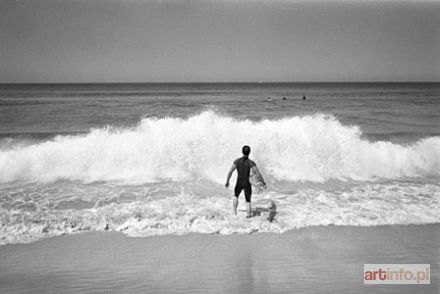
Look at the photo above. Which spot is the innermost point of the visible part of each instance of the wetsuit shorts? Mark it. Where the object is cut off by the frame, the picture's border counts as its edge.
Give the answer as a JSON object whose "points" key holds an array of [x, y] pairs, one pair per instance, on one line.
{"points": [[245, 185]]}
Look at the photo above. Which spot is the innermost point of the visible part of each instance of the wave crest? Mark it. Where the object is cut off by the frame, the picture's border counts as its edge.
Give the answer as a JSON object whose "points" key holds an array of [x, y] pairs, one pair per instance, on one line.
{"points": [[313, 148]]}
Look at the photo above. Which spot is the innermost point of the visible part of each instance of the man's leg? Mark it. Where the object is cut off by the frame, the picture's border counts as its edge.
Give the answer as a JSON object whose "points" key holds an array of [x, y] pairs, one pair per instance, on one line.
{"points": [[249, 209], [237, 192], [248, 196], [234, 204]]}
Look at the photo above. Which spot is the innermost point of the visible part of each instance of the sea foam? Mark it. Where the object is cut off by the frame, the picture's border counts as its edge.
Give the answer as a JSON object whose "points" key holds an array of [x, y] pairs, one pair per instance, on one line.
{"points": [[362, 205]]}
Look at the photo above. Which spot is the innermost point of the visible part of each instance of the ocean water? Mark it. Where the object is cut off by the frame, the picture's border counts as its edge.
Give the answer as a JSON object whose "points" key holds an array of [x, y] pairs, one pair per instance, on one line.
{"points": [[152, 159]]}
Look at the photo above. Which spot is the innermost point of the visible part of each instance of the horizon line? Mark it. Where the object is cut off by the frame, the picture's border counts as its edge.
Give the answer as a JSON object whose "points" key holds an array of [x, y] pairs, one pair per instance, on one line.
{"points": [[216, 82]]}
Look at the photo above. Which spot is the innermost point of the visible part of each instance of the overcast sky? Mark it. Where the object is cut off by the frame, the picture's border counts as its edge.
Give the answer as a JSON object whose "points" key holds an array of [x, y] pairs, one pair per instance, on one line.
{"points": [[220, 41]]}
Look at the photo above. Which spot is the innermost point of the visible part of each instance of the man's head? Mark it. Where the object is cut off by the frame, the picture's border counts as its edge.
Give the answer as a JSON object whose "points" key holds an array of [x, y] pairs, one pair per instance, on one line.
{"points": [[246, 150]]}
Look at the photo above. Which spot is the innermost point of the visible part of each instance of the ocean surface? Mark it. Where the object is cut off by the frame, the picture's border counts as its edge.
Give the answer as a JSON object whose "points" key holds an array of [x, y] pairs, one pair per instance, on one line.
{"points": [[152, 159]]}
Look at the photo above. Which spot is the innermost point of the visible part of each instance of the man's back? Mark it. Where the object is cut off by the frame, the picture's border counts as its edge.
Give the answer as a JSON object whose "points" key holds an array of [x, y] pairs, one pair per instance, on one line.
{"points": [[244, 165]]}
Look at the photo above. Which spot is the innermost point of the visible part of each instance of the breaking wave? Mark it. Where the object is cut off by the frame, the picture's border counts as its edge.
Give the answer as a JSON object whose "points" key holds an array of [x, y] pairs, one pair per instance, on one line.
{"points": [[309, 148]]}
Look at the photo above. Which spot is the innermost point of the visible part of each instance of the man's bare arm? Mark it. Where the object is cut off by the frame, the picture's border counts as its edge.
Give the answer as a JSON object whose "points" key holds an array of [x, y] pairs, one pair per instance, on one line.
{"points": [[231, 170]]}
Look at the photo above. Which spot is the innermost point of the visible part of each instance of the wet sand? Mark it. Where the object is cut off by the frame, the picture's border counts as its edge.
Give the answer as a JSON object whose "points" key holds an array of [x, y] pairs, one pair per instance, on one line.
{"points": [[311, 260]]}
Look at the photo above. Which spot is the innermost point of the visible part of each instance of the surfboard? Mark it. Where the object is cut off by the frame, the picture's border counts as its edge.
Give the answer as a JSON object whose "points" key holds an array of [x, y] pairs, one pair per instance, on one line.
{"points": [[256, 181]]}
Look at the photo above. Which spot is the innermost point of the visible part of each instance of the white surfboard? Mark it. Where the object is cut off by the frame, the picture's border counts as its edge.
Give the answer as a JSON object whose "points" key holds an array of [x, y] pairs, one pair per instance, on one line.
{"points": [[256, 181]]}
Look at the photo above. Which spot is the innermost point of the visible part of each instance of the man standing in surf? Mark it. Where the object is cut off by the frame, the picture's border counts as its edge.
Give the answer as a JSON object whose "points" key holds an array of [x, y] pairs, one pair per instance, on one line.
{"points": [[244, 166]]}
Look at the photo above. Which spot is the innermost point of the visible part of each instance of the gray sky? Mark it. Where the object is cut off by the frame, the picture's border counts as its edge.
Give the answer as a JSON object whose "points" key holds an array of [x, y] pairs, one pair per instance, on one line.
{"points": [[221, 41]]}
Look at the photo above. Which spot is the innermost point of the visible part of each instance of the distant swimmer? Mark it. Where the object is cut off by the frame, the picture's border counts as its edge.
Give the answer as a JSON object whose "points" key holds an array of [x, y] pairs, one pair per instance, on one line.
{"points": [[269, 99], [284, 98], [243, 165], [304, 97]]}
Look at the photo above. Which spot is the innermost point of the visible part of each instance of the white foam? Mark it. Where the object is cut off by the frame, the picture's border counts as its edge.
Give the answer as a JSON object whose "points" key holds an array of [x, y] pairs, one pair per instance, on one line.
{"points": [[313, 148], [362, 205]]}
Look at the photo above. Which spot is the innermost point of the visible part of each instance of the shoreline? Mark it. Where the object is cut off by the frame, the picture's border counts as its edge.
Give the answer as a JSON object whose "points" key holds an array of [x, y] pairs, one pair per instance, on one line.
{"points": [[313, 259]]}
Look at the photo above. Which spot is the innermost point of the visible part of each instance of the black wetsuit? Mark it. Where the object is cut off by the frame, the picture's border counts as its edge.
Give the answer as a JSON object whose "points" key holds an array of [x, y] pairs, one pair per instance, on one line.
{"points": [[244, 165]]}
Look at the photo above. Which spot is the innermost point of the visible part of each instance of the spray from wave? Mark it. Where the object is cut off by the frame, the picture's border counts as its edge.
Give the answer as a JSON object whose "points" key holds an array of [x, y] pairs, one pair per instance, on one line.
{"points": [[313, 148]]}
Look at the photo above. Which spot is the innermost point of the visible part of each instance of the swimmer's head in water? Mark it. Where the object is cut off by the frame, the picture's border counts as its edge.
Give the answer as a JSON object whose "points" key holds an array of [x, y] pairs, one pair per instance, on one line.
{"points": [[246, 150]]}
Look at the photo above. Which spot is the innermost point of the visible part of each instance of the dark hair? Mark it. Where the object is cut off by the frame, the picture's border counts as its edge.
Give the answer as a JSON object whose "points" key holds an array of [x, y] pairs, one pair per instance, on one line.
{"points": [[246, 150]]}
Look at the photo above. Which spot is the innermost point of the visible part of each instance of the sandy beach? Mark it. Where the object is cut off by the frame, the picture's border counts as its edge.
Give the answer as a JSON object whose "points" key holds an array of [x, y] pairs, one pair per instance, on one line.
{"points": [[311, 260]]}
